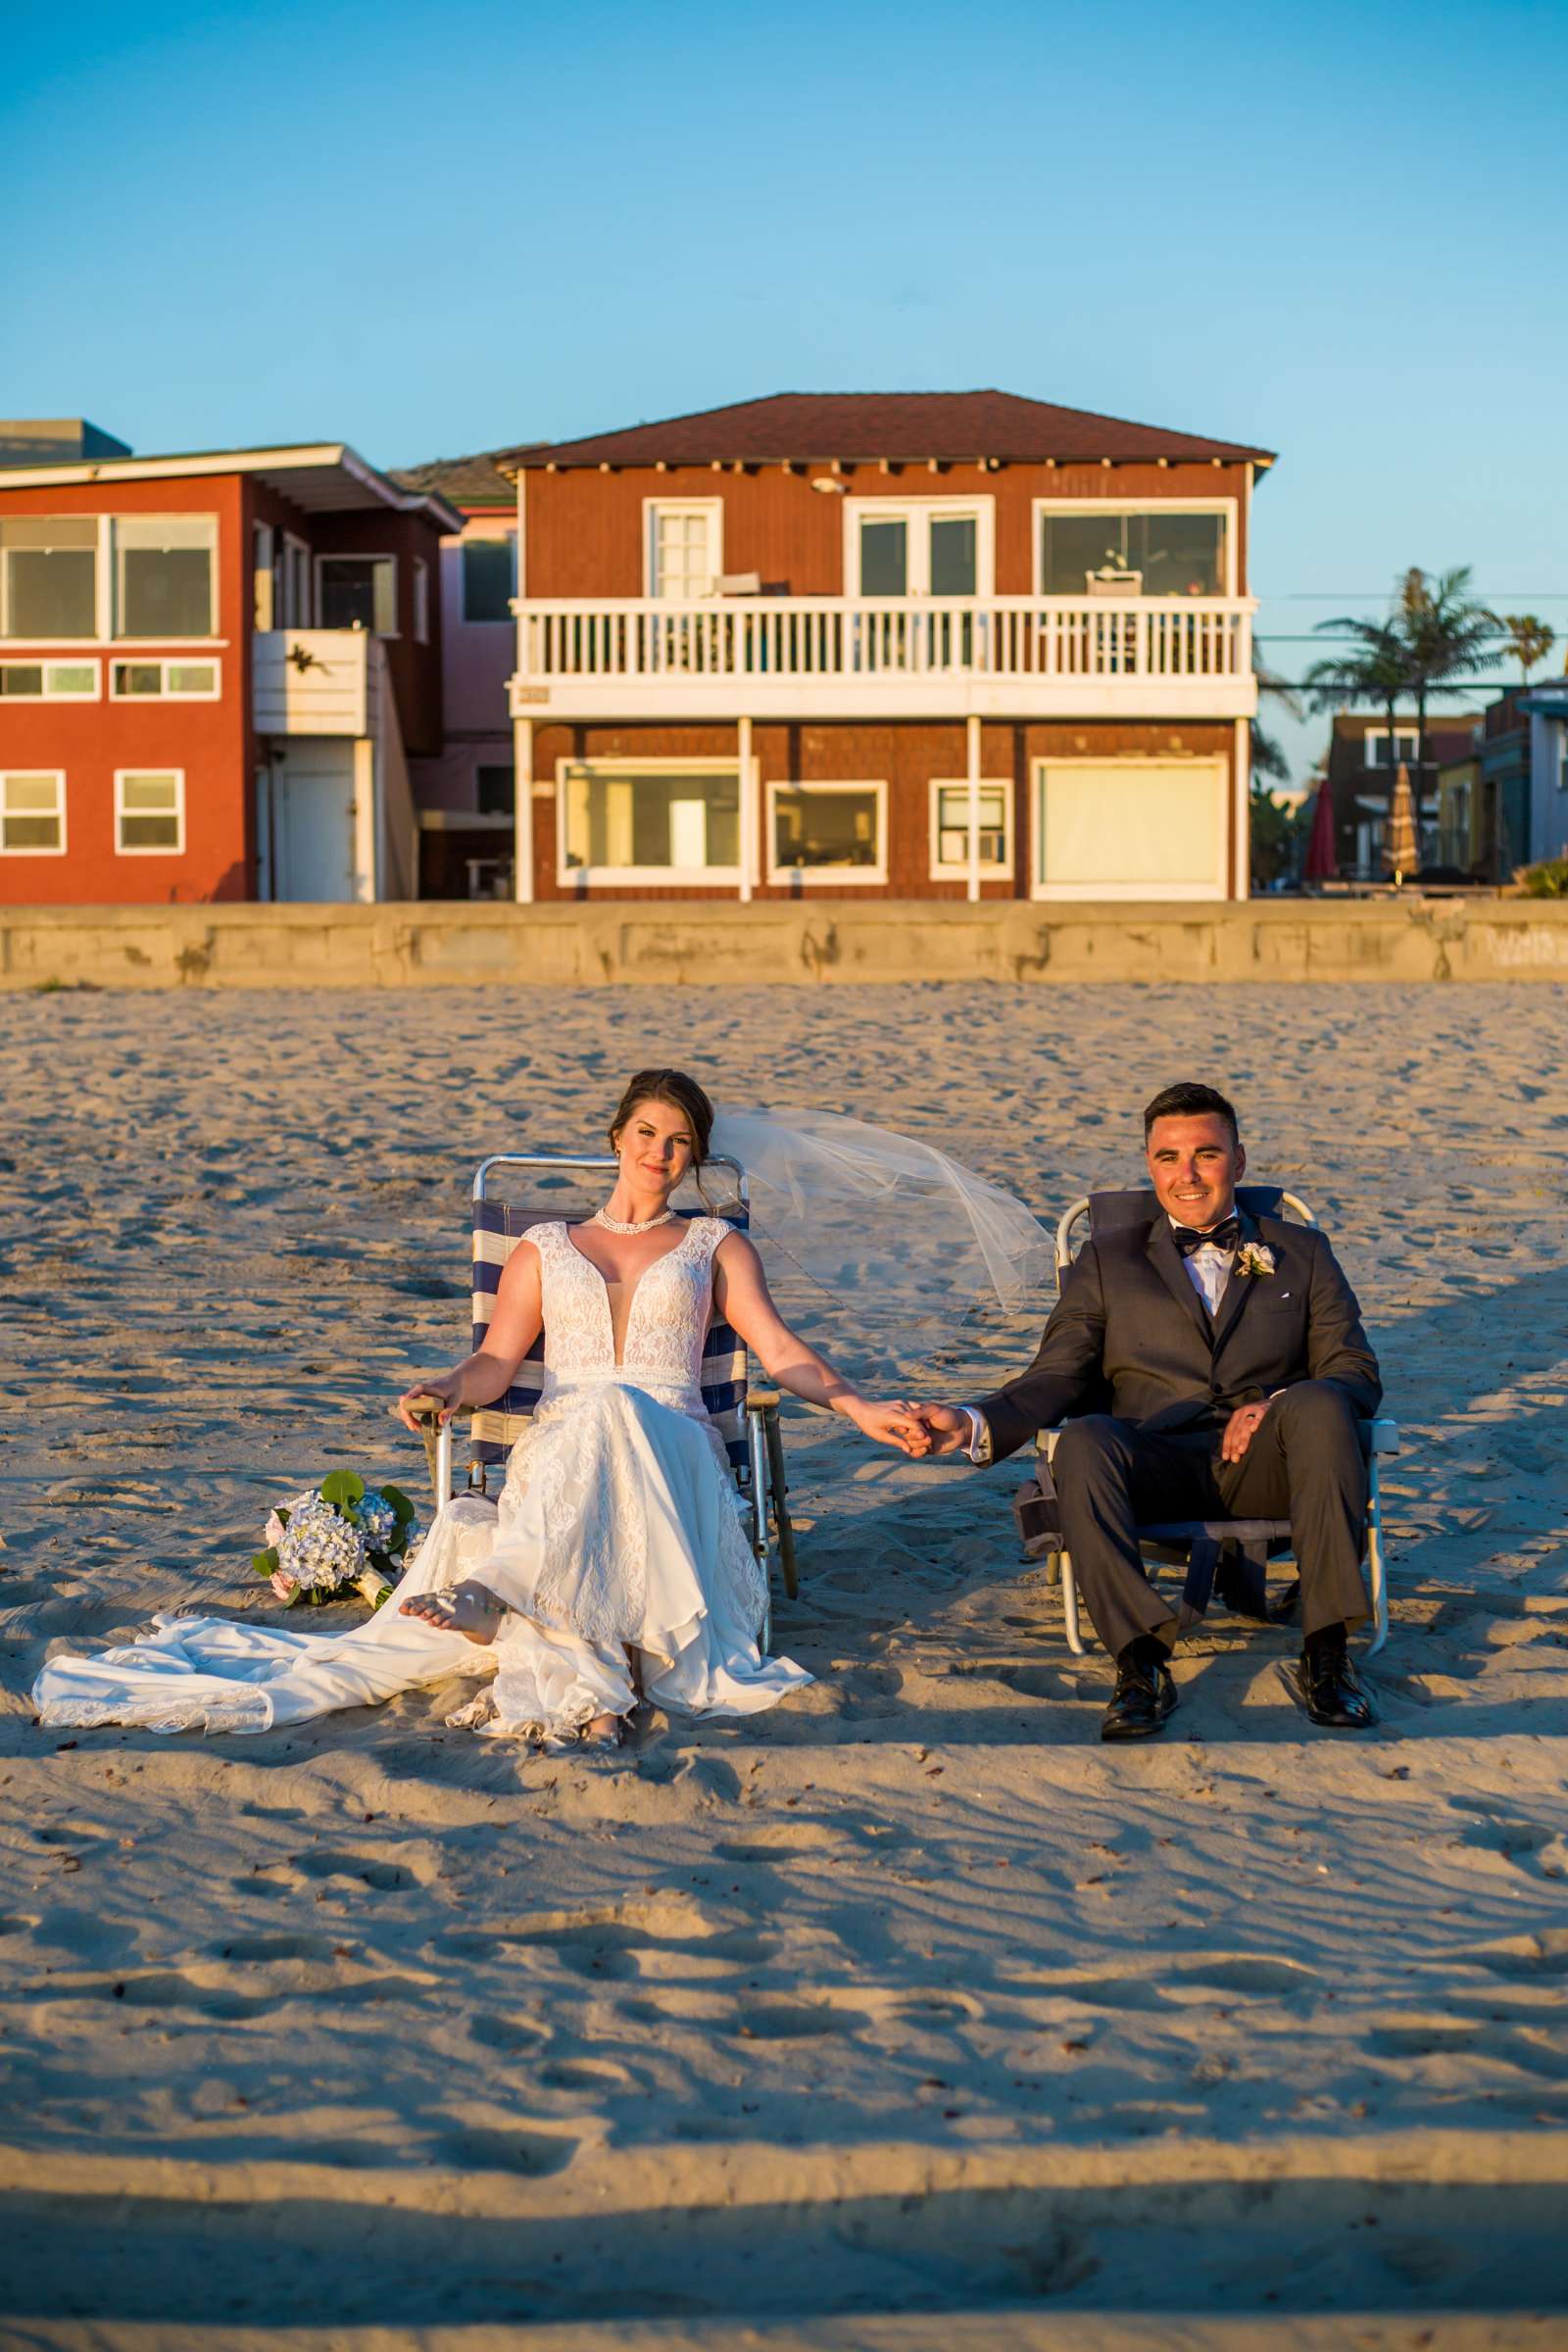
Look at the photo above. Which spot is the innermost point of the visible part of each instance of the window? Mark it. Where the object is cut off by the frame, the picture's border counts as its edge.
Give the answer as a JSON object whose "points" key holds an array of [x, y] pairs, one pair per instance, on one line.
{"points": [[358, 592], [164, 681], [422, 600], [292, 589], [1130, 828], [49, 575], [149, 812], [950, 827], [489, 577], [827, 832], [685, 547], [163, 574], [1105, 550], [1406, 743], [653, 820], [496, 789], [49, 681], [930, 547], [32, 813]]}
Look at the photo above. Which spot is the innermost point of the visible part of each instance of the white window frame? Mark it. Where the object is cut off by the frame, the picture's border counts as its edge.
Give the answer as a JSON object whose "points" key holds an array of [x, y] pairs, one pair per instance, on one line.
{"points": [[166, 693], [110, 551], [149, 849], [485, 538], [988, 872], [827, 877], [53, 775], [573, 878], [1409, 735], [1230, 508], [100, 586], [357, 555], [47, 662], [106, 595], [1204, 894], [293, 572], [983, 507], [711, 509]]}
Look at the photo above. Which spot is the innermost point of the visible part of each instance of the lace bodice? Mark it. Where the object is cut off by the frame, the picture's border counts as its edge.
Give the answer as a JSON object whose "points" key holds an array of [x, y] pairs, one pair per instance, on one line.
{"points": [[666, 1314]]}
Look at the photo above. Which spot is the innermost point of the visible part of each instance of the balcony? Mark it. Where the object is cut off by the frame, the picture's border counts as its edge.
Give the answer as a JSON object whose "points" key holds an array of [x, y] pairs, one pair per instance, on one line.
{"points": [[312, 682], [804, 657]]}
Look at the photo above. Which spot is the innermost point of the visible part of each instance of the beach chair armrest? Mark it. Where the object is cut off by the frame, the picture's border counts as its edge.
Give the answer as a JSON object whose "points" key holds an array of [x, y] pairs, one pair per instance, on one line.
{"points": [[763, 1400], [1383, 1435]]}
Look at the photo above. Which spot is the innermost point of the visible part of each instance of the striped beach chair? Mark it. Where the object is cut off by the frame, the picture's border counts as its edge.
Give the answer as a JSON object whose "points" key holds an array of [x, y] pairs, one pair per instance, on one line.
{"points": [[1205, 1548], [514, 1190]]}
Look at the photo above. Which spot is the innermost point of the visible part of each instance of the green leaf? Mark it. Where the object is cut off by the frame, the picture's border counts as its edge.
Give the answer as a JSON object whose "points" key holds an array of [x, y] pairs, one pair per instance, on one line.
{"points": [[343, 1485], [401, 1508], [285, 1514], [265, 1563]]}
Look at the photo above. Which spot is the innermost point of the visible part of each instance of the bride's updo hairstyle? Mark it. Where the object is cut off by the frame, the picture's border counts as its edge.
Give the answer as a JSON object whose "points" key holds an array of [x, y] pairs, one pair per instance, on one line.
{"points": [[682, 1094]]}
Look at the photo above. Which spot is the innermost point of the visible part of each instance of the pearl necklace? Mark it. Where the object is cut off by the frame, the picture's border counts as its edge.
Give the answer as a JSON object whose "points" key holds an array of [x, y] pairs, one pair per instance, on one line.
{"points": [[602, 1216]]}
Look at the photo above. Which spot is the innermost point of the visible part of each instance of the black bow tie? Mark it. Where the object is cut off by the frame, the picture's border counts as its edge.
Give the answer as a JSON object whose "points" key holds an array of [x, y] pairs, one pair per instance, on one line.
{"points": [[1223, 1236]]}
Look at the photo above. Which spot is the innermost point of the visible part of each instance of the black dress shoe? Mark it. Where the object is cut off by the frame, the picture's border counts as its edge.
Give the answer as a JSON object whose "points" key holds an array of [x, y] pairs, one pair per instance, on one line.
{"points": [[1327, 1682], [1145, 1696]]}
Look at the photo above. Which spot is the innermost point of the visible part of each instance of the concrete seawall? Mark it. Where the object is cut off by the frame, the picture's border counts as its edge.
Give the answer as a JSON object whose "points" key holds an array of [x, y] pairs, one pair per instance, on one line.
{"points": [[464, 946]]}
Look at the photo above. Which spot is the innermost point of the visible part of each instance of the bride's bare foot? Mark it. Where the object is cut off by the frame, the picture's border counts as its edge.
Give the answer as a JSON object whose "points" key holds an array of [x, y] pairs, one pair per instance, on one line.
{"points": [[602, 1731], [470, 1608]]}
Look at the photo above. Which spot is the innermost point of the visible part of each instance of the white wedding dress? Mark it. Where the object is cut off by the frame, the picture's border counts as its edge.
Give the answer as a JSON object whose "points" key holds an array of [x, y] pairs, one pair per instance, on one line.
{"points": [[616, 1527]]}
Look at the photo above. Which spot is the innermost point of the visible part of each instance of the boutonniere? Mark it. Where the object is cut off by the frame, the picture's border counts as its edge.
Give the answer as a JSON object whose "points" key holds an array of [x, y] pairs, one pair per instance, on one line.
{"points": [[1255, 1257]]}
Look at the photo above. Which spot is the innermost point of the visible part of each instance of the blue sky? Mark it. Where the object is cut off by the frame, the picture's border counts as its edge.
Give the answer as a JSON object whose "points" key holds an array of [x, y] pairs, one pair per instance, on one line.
{"points": [[1334, 232]]}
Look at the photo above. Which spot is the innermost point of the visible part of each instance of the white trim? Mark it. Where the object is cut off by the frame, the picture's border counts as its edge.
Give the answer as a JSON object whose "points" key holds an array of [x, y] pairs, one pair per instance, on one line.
{"points": [[1218, 886], [712, 510], [57, 777], [983, 507], [959, 872], [162, 849], [619, 877], [165, 691], [308, 456], [522, 811], [9, 661], [748, 817], [1042, 506], [69, 648], [832, 876], [1241, 810], [357, 555]]}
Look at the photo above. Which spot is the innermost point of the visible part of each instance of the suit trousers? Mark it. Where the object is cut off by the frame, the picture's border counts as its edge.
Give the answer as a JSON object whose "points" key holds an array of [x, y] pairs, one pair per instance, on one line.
{"points": [[1305, 1463]]}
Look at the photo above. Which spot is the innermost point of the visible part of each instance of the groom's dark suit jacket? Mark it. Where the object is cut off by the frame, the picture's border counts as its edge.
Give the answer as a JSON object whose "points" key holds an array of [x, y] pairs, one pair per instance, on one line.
{"points": [[1130, 1335]]}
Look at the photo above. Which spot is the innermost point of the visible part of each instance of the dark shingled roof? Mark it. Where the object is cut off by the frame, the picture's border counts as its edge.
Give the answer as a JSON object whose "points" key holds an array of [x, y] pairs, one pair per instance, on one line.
{"points": [[475, 481], [862, 425]]}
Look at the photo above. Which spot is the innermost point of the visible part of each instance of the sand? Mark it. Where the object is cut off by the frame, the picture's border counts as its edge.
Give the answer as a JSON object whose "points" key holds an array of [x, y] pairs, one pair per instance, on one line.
{"points": [[906, 2015]]}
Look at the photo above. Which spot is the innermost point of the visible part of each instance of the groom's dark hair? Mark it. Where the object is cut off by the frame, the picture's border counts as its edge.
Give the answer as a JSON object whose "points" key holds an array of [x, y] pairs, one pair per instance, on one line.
{"points": [[1189, 1101]]}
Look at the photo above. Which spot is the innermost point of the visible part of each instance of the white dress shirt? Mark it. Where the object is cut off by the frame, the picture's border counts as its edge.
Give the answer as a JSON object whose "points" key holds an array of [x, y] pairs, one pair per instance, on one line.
{"points": [[1209, 1270]]}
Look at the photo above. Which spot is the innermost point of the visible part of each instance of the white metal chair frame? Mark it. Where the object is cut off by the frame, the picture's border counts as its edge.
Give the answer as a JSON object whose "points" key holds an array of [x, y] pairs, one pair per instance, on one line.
{"points": [[1382, 1438], [761, 1481]]}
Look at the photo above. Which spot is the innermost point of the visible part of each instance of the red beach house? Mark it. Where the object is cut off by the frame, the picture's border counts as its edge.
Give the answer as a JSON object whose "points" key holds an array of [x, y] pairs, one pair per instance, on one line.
{"points": [[213, 669], [905, 646]]}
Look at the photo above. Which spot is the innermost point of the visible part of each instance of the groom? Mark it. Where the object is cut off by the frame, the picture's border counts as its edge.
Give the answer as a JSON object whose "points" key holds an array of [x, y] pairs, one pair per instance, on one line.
{"points": [[1237, 1369]]}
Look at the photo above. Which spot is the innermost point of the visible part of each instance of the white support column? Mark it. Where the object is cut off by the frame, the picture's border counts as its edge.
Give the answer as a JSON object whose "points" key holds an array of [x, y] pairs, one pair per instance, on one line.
{"points": [[366, 822], [972, 729], [522, 811], [748, 868], [1242, 803]]}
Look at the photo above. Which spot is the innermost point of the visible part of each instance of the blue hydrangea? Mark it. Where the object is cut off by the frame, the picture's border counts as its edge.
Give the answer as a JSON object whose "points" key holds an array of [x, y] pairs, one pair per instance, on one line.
{"points": [[377, 1519]]}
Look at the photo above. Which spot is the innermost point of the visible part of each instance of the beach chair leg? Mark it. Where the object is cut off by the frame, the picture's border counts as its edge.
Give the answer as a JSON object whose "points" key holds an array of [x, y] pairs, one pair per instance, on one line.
{"points": [[778, 1487], [1376, 1561], [761, 1544], [1069, 1606]]}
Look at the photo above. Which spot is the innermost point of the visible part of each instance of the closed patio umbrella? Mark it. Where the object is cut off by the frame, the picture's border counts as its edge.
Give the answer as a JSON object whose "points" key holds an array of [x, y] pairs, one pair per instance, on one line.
{"points": [[1400, 855], [1322, 861]]}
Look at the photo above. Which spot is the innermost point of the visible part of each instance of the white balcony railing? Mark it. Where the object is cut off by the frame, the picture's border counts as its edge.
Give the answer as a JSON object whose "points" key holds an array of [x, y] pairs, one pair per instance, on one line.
{"points": [[868, 653], [312, 682]]}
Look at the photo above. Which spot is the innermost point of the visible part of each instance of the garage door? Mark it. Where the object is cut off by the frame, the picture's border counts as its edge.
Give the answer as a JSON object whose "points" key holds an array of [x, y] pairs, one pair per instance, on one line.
{"points": [[1130, 829]]}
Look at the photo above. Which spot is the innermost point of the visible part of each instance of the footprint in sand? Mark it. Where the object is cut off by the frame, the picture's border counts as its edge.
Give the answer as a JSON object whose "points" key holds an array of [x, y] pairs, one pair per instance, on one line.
{"points": [[383, 1878], [789, 2022]]}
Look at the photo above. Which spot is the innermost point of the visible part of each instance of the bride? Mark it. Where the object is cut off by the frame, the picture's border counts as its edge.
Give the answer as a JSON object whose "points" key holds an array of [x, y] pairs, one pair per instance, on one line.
{"points": [[616, 1565]]}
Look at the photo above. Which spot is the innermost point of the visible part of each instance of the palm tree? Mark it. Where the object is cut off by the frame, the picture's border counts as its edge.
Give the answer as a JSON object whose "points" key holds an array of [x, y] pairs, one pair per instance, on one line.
{"points": [[1374, 669], [1446, 636], [1529, 640]]}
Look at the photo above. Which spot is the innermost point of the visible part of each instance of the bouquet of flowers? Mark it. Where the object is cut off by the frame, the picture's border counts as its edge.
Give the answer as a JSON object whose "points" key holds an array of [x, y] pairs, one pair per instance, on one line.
{"points": [[340, 1537]]}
